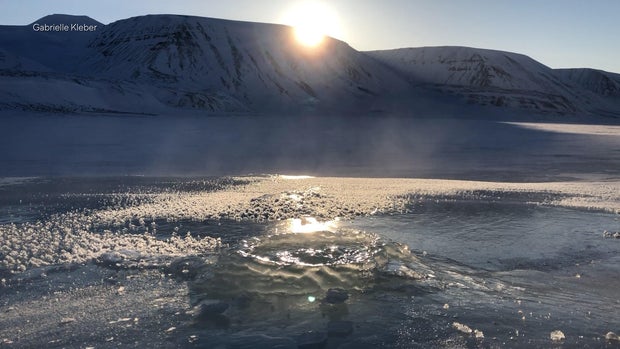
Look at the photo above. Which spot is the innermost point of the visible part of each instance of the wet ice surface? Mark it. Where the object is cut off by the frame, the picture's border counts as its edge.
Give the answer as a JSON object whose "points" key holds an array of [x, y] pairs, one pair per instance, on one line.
{"points": [[513, 271], [516, 271], [500, 236]]}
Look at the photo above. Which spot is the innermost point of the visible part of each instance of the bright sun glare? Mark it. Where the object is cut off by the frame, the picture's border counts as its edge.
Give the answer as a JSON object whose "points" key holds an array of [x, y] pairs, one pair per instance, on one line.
{"points": [[312, 21]]}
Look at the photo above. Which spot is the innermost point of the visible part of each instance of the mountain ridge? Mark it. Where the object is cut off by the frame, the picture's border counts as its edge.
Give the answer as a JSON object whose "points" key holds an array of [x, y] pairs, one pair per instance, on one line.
{"points": [[483, 76], [177, 62], [58, 18]]}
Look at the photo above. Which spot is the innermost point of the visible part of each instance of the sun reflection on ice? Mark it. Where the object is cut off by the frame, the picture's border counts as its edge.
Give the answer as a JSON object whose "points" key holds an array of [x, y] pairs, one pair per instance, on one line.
{"points": [[311, 225], [290, 177]]}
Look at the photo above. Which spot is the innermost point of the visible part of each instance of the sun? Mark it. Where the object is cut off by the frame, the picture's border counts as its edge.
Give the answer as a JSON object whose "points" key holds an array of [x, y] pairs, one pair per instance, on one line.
{"points": [[308, 34], [312, 21]]}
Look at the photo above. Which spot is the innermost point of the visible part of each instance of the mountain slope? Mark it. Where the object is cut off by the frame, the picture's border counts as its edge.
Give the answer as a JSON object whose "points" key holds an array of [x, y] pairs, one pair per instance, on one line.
{"points": [[601, 89], [257, 65], [59, 51], [597, 81], [484, 77]]}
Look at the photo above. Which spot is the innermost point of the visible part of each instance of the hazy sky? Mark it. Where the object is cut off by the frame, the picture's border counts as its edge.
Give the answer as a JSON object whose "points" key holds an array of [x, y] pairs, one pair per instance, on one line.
{"points": [[558, 33]]}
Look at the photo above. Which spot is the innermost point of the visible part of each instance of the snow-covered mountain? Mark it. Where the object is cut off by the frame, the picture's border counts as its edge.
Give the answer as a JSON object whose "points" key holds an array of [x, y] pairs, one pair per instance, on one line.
{"points": [[160, 63], [54, 50], [248, 65], [489, 77], [597, 81], [204, 63], [601, 89], [483, 76]]}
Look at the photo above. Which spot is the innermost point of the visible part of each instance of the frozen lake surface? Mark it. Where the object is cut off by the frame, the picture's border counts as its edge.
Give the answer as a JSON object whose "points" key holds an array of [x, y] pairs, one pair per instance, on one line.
{"points": [[352, 146], [504, 264], [103, 245]]}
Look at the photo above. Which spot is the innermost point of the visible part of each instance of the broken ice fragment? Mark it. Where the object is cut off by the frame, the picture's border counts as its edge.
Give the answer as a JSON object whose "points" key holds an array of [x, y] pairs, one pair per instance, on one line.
{"points": [[557, 335], [461, 328]]}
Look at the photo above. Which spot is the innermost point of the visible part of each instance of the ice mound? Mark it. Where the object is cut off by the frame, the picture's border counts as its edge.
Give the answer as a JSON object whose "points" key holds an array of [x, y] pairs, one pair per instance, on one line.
{"points": [[294, 264]]}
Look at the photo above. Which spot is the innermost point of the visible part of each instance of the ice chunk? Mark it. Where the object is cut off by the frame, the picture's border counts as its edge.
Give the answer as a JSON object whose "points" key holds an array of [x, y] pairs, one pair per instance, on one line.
{"points": [[557, 335], [462, 328]]}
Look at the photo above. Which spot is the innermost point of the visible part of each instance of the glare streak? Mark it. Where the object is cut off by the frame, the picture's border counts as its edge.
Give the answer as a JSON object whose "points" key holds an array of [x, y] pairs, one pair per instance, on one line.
{"points": [[310, 225]]}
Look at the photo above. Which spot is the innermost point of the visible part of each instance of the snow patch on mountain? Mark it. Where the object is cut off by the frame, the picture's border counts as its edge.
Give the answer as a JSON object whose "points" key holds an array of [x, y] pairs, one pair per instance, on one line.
{"points": [[66, 94], [10, 61]]}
